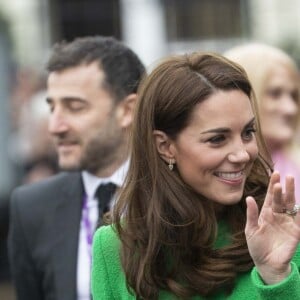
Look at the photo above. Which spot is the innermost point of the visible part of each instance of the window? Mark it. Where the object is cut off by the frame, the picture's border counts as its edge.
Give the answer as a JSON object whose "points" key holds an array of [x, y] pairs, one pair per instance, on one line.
{"points": [[206, 19], [73, 18]]}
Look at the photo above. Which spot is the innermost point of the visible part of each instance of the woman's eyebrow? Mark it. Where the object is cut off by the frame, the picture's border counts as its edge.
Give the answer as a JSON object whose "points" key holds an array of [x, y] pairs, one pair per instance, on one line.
{"points": [[226, 129]]}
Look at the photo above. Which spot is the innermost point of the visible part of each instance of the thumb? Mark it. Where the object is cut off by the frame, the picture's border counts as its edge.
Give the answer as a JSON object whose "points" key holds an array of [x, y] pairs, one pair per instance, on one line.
{"points": [[252, 217]]}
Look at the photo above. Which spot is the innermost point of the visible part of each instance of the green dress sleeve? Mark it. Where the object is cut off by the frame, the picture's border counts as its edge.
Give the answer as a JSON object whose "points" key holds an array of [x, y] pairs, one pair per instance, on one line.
{"points": [[289, 288], [108, 280], [100, 283]]}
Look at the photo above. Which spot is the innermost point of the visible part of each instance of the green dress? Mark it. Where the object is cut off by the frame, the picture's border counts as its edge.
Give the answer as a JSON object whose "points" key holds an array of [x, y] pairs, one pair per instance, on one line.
{"points": [[108, 279]]}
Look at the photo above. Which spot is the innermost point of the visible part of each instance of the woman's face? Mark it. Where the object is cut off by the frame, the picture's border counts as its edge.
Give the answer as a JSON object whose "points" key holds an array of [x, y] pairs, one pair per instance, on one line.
{"points": [[279, 108], [214, 154]]}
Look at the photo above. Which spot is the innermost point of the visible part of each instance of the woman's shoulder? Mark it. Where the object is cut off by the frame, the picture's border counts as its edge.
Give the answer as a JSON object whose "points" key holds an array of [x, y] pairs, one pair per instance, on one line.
{"points": [[106, 247], [108, 281], [106, 236]]}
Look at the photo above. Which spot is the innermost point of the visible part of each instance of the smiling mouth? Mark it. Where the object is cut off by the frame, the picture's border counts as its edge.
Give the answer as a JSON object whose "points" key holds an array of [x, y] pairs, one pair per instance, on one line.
{"points": [[229, 175]]}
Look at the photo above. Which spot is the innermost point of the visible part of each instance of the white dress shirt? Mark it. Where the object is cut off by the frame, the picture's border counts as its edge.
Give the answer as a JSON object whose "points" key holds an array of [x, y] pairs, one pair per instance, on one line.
{"points": [[91, 183]]}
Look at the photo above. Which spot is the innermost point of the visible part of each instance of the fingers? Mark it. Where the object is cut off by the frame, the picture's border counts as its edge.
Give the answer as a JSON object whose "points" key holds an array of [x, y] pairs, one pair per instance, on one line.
{"points": [[289, 192], [281, 202], [275, 178], [278, 203], [252, 217], [275, 197]]}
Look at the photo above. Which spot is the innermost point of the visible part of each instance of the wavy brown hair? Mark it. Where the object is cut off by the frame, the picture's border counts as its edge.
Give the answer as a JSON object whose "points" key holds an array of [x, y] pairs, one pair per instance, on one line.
{"points": [[168, 231]]}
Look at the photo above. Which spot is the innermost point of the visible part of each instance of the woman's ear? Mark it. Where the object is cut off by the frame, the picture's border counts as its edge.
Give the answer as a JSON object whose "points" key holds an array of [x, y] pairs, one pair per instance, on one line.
{"points": [[164, 145]]}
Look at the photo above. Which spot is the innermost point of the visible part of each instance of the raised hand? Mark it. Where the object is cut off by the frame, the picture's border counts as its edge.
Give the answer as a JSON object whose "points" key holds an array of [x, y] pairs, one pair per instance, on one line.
{"points": [[273, 235]]}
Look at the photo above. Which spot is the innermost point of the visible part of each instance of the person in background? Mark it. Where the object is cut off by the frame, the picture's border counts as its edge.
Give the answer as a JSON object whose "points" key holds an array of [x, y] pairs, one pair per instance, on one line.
{"points": [[275, 80], [32, 146], [199, 216], [25, 111], [91, 93]]}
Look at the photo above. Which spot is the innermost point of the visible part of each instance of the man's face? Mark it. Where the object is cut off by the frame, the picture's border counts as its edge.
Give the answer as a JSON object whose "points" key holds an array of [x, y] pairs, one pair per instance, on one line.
{"points": [[83, 120]]}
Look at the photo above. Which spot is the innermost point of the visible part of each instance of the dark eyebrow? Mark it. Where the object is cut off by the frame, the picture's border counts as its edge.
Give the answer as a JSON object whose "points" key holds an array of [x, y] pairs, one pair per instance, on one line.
{"points": [[66, 99], [225, 129]]}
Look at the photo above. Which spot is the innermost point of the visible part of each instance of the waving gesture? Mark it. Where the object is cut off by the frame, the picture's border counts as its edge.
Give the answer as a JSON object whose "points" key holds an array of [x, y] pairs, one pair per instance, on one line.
{"points": [[274, 234]]}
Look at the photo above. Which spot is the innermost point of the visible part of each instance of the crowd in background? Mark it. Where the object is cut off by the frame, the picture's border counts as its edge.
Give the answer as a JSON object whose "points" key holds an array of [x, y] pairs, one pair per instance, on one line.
{"points": [[34, 157]]}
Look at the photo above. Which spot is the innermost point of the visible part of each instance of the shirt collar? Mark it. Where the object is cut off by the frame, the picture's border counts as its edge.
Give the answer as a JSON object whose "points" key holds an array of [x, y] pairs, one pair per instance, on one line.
{"points": [[91, 182]]}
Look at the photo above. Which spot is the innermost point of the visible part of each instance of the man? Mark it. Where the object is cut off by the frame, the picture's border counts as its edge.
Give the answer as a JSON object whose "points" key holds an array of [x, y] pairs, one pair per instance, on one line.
{"points": [[91, 92]]}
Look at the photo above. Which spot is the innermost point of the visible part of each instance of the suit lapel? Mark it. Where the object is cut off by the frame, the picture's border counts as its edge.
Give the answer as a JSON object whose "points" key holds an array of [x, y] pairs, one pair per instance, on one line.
{"points": [[66, 225]]}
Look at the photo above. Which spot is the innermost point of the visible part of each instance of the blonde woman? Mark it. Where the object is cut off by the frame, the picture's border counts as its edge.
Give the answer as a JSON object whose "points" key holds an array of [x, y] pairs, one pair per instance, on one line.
{"points": [[275, 80]]}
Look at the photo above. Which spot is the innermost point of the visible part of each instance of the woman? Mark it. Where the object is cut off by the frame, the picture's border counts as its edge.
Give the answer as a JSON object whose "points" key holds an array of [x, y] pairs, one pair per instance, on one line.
{"points": [[275, 80], [197, 179]]}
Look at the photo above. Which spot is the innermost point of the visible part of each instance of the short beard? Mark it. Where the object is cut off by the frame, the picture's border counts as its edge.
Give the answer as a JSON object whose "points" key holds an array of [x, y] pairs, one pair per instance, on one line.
{"points": [[99, 155]]}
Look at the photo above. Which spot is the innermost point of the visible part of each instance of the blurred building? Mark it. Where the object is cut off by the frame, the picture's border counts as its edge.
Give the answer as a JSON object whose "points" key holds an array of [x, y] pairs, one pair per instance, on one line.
{"points": [[153, 28]]}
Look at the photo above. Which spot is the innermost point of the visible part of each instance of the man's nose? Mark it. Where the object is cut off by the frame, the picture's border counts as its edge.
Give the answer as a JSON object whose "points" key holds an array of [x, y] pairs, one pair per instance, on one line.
{"points": [[57, 123]]}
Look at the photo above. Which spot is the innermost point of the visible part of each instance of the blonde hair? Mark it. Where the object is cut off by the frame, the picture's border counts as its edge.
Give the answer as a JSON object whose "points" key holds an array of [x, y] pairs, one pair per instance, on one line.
{"points": [[259, 61]]}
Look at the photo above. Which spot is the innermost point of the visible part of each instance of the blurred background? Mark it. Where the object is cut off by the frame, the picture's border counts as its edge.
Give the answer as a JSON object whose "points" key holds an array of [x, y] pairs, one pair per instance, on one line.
{"points": [[152, 28]]}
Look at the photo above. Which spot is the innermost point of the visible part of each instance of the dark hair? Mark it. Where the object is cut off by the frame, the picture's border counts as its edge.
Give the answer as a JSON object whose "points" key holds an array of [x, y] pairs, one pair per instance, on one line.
{"points": [[122, 68], [167, 230]]}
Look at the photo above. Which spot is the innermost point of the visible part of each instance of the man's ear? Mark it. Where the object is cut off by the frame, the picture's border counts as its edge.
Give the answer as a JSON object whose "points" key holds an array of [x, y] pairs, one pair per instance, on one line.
{"points": [[164, 145], [125, 110]]}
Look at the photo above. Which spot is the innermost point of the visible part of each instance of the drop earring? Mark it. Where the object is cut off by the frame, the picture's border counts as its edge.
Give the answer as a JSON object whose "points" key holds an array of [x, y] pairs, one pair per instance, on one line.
{"points": [[171, 164]]}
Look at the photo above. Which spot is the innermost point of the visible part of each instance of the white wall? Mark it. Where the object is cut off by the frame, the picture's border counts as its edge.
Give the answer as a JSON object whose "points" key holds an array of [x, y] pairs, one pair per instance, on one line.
{"points": [[29, 21], [143, 28], [275, 21]]}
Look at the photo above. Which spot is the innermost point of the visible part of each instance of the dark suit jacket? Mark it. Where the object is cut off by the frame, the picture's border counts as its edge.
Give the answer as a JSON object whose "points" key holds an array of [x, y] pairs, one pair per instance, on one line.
{"points": [[43, 237]]}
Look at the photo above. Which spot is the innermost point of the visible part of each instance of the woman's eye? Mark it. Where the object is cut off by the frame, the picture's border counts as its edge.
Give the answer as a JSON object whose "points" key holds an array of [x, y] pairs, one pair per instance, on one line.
{"points": [[295, 96], [217, 139], [274, 93], [249, 133], [277, 93]]}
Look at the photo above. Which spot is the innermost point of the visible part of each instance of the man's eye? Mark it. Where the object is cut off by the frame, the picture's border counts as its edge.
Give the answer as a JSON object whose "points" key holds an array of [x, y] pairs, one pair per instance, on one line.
{"points": [[51, 109], [76, 106]]}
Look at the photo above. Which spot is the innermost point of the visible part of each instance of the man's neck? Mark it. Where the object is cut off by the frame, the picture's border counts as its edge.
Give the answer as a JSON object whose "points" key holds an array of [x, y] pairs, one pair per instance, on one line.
{"points": [[109, 170]]}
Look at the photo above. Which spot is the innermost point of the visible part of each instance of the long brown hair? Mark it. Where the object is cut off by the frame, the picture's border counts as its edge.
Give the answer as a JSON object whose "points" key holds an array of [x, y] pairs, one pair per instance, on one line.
{"points": [[168, 231]]}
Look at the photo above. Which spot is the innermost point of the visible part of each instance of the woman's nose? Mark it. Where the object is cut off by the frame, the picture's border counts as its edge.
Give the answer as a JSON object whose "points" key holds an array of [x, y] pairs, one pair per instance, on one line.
{"points": [[239, 155], [289, 106]]}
